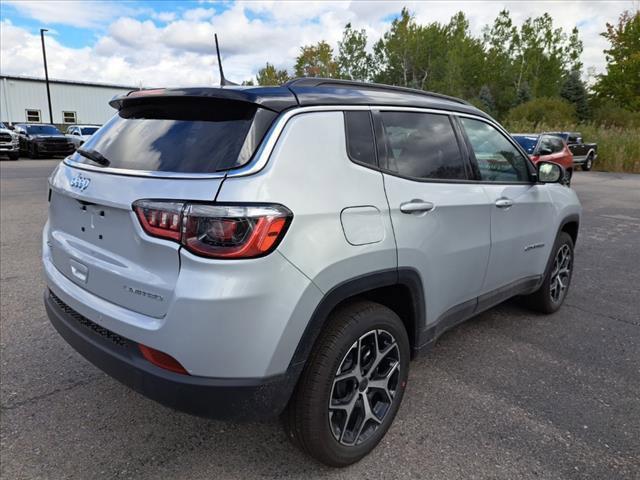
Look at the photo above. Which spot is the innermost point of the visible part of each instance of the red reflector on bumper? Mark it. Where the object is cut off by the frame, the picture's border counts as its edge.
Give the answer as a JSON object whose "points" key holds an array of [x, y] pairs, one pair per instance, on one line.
{"points": [[161, 359]]}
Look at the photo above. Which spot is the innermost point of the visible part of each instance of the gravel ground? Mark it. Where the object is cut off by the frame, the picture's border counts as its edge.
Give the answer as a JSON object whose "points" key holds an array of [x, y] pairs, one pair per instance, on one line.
{"points": [[509, 394]]}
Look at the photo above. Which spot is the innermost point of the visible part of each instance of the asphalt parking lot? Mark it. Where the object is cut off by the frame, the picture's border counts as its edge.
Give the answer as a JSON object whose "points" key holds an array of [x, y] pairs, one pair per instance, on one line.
{"points": [[509, 394]]}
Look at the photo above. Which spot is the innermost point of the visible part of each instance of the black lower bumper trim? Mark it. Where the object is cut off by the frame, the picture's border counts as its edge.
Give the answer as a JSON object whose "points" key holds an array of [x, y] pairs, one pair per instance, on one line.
{"points": [[220, 398]]}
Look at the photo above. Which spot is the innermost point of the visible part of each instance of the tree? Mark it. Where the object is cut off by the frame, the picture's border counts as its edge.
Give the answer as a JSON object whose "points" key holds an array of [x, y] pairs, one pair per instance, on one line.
{"points": [[464, 64], [354, 62], [487, 99], [316, 61], [540, 56], [574, 91], [621, 82], [269, 75], [396, 54], [500, 70], [550, 111]]}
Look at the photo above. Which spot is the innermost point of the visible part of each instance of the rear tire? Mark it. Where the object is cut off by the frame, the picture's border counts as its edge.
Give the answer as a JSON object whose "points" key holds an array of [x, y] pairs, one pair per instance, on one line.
{"points": [[352, 386], [588, 163], [550, 296]]}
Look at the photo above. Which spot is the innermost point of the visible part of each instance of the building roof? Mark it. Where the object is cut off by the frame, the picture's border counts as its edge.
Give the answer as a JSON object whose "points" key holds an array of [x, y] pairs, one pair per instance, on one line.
{"points": [[309, 92], [67, 82]]}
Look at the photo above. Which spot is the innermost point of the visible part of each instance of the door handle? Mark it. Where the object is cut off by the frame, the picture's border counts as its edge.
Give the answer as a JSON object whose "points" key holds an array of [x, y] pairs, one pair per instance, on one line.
{"points": [[416, 206], [504, 203]]}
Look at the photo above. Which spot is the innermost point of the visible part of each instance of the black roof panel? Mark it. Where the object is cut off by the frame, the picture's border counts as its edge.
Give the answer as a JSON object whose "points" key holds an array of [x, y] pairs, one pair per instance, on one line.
{"points": [[310, 92]]}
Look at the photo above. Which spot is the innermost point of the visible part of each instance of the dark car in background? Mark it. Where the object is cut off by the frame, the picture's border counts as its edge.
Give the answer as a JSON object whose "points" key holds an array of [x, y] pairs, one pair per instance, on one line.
{"points": [[584, 154], [548, 148], [43, 140]]}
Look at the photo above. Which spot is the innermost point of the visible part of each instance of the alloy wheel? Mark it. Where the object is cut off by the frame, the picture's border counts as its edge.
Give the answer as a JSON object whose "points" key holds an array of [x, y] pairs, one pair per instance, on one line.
{"points": [[364, 387], [561, 274]]}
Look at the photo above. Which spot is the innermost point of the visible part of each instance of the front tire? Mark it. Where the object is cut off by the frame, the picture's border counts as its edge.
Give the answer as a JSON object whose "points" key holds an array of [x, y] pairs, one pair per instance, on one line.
{"points": [[14, 155], [352, 386], [33, 151], [550, 296], [588, 163]]}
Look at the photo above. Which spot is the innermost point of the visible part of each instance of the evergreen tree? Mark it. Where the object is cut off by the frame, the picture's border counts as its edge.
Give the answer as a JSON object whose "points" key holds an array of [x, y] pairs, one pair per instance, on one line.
{"points": [[574, 91]]}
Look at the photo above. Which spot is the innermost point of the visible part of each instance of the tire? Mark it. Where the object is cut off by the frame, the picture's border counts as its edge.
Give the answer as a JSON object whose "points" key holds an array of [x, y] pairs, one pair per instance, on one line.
{"points": [[569, 177], [550, 296], [14, 155], [33, 151], [588, 163], [338, 436]]}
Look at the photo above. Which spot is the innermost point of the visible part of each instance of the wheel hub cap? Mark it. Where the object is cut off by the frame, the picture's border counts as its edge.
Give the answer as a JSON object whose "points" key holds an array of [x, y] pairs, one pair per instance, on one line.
{"points": [[364, 387], [561, 274]]}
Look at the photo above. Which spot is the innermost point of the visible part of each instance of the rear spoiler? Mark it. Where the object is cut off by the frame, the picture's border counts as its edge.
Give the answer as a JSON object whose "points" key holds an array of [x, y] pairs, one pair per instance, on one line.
{"points": [[275, 99]]}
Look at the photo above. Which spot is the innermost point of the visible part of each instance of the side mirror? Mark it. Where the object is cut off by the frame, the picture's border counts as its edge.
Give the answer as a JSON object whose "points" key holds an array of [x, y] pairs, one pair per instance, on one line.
{"points": [[579, 140], [549, 172]]}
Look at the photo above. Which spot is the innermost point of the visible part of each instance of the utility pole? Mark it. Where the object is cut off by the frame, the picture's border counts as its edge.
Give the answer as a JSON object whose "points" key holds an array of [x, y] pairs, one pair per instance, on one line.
{"points": [[46, 73]]}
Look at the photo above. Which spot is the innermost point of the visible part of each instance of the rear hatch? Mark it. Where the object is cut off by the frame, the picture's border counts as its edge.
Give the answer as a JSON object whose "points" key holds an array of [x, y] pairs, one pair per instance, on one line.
{"points": [[158, 149]]}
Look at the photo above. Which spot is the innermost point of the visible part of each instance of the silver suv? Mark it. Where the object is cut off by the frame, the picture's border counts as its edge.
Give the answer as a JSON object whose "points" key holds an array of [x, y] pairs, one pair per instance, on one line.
{"points": [[249, 252]]}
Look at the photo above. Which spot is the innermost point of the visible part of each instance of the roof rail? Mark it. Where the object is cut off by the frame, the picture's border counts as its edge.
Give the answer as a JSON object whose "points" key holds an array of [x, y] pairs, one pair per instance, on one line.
{"points": [[319, 82]]}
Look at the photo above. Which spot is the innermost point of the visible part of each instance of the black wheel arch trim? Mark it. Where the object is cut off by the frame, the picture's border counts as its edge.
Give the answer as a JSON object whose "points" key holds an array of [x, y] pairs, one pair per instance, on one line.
{"points": [[572, 218], [407, 277]]}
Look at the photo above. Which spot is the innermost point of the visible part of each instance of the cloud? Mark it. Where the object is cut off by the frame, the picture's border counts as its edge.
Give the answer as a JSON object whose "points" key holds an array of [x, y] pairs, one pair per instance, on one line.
{"points": [[172, 48], [164, 16], [76, 14]]}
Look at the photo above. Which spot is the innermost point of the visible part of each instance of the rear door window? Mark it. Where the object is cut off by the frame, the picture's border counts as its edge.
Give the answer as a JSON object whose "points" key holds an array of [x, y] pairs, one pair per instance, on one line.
{"points": [[422, 146], [189, 135]]}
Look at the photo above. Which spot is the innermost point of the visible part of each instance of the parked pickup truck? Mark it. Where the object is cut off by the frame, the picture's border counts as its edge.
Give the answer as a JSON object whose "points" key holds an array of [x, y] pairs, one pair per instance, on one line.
{"points": [[584, 154], [9, 143]]}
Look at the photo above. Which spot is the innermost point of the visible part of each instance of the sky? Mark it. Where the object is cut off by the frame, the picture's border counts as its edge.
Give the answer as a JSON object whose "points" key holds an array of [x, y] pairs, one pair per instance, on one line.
{"points": [[170, 43]]}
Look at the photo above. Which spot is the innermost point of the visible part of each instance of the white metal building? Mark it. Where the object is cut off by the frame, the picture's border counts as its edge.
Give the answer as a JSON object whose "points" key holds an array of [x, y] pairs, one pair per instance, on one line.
{"points": [[24, 99]]}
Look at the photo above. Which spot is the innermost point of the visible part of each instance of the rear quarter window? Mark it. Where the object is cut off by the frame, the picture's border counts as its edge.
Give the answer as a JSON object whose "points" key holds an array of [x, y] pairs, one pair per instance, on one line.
{"points": [[359, 137], [189, 135]]}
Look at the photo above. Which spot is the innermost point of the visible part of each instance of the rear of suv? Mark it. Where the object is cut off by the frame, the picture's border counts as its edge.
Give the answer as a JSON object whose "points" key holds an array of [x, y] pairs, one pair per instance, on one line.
{"points": [[243, 253]]}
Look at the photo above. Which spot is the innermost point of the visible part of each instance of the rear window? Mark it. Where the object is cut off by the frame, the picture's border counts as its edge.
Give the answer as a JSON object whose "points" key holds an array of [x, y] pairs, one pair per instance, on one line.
{"points": [[189, 135]]}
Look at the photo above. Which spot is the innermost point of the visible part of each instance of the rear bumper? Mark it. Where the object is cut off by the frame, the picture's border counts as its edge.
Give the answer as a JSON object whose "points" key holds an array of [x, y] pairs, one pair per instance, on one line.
{"points": [[228, 398]]}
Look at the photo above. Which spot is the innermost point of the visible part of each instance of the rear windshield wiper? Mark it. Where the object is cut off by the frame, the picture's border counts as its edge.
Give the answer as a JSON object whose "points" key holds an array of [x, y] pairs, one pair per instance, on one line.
{"points": [[95, 156]]}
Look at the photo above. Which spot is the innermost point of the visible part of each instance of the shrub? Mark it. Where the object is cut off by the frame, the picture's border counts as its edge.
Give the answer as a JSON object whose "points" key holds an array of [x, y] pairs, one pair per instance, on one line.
{"points": [[543, 110], [611, 115]]}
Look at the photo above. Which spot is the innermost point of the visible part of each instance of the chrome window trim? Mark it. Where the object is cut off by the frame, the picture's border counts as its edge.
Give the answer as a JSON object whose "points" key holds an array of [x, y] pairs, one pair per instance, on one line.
{"points": [[142, 173], [262, 155]]}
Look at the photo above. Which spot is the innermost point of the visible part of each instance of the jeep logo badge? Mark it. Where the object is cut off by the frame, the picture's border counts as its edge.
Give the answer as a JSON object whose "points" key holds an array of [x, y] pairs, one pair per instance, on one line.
{"points": [[80, 182]]}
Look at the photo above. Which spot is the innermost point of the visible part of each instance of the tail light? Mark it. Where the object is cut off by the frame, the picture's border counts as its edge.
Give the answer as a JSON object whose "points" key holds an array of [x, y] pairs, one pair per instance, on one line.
{"points": [[216, 230]]}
